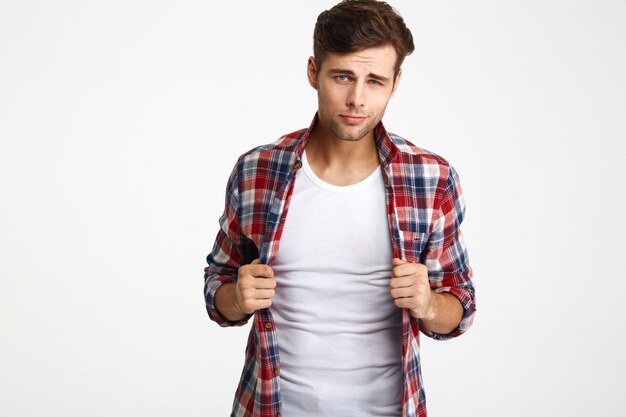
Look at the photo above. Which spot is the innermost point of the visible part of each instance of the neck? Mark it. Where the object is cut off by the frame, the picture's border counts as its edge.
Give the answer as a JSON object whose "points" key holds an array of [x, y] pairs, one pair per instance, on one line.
{"points": [[324, 147], [341, 162]]}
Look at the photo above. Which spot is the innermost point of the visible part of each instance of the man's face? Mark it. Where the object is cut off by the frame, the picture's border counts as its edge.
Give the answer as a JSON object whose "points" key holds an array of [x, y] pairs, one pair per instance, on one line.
{"points": [[353, 90]]}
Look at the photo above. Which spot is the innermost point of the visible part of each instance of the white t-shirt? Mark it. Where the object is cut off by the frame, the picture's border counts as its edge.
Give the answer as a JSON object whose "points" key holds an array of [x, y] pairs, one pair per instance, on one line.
{"points": [[339, 332]]}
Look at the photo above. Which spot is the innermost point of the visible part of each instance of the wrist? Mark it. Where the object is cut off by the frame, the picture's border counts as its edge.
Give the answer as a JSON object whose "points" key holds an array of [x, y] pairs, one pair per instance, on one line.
{"points": [[226, 302], [430, 313]]}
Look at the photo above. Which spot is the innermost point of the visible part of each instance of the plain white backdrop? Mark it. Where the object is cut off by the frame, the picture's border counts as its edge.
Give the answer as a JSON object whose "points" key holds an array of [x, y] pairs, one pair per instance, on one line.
{"points": [[120, 122]]}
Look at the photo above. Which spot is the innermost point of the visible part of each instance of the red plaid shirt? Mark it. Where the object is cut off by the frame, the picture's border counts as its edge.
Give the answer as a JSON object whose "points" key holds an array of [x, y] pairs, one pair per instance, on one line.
{"points": [[425, 209]]}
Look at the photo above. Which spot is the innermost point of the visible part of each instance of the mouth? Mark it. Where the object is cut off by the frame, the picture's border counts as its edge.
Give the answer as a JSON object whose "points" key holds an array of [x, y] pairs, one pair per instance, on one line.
{"points": [[352, 119]]}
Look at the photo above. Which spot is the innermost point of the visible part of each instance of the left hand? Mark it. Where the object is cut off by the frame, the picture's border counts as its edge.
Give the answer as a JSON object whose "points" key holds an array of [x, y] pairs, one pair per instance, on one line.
{"points": [[410, 288]]}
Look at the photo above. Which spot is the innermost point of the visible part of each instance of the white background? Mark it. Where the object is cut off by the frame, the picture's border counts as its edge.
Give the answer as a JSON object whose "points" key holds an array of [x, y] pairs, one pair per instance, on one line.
{"points": [[120, 122]]}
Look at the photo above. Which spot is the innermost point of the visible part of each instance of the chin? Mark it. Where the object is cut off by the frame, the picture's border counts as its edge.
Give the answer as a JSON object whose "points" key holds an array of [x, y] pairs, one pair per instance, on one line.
{"points": [[352, 136]]}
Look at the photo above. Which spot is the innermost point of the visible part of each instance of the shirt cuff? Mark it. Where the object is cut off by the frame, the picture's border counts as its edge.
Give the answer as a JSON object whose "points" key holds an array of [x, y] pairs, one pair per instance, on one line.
{"points": [[211, 288], [466, 297]]}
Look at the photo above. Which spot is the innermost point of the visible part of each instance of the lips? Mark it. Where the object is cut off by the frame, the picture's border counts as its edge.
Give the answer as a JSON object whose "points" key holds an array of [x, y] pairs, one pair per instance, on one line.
{"points": [[352, 119]]}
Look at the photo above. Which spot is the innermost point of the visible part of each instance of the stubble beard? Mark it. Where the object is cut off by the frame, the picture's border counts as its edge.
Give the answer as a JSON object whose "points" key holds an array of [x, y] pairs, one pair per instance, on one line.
{"points": [[350, 134]]}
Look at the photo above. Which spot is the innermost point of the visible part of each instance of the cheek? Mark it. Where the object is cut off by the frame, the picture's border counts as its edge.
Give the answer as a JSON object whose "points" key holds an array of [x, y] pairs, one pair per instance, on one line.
{"points": [[331, 97], [379, 101]]}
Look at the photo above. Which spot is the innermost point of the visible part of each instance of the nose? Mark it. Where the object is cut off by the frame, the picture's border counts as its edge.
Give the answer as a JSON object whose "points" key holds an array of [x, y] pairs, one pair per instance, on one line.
{"points": [[356, 96]]}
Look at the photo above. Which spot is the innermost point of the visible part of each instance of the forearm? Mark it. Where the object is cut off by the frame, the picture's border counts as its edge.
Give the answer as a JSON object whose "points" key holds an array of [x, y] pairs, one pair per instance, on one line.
{"points": [[445, 315], [225, 302]]}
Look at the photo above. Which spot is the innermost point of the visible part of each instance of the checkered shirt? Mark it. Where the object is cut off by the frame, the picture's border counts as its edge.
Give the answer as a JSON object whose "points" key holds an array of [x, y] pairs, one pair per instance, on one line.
{"points": [[425, 207]]}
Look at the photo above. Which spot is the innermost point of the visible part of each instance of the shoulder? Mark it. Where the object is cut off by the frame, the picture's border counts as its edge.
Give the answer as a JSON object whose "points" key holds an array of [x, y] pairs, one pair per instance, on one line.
{"points": [[266, 165], [285, 145], [427, 171], [425, 160]]}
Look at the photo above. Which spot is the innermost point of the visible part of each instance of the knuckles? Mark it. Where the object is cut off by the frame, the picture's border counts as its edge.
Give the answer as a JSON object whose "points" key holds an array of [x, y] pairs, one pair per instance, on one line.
{"points": [[256, 270], [410, 269], [400, 303], [244, 282]]}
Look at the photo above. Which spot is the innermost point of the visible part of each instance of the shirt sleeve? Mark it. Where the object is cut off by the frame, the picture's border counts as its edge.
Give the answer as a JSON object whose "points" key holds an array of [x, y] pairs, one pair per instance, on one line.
{"points": [[228, 253], [446, 256]]}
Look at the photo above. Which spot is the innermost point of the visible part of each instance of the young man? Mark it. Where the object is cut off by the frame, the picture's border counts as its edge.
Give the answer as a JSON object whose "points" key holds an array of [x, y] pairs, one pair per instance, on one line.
{"points": [[342, 240]]}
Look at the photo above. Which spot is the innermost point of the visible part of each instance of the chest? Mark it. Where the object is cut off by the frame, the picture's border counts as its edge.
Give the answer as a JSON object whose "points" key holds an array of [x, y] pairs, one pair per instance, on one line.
{"points": [[402, 207], [344, 226]]}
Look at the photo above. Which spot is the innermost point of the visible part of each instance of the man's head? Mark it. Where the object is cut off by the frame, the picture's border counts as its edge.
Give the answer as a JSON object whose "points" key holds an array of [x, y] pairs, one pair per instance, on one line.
{"points": [[359, 46], [353, 25]]}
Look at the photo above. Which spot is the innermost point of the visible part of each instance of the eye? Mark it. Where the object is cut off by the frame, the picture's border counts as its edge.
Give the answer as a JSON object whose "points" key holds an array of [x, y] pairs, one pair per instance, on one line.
{"points": [[375, 82], [342, 77]]}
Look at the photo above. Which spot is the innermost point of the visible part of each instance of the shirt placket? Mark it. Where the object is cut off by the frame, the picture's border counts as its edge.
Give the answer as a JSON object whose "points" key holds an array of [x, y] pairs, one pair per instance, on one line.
{"points": [[266, 328], [398, 252]]}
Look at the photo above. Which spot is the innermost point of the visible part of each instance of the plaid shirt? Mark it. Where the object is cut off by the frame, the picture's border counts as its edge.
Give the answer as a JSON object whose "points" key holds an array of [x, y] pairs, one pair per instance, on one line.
{"points": [[425, 209]]}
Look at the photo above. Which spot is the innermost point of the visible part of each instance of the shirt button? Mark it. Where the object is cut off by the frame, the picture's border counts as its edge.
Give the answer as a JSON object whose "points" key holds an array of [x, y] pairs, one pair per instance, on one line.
{"points": [[268, 325]]}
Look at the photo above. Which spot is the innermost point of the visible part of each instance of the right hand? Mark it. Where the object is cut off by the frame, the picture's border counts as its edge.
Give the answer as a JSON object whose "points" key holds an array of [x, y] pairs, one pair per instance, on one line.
{"points": [[255, 287]]}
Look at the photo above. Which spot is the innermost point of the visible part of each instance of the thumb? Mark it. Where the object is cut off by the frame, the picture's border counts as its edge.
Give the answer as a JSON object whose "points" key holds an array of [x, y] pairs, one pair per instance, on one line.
{"points": [[397, 261], [256, 261]]}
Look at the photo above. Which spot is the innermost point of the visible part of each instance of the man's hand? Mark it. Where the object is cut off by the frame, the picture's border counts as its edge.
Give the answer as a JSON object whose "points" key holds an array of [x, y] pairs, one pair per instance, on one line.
{"points": [[410, 288], [255, 287], [253, 291]]}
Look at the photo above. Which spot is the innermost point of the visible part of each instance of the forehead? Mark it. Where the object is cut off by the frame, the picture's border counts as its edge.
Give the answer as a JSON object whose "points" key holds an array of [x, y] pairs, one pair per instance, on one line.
{"points": [[380, 60]]}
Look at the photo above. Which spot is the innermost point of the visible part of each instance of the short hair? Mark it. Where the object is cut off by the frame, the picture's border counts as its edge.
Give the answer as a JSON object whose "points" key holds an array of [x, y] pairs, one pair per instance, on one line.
{"points": [[353, 25]]}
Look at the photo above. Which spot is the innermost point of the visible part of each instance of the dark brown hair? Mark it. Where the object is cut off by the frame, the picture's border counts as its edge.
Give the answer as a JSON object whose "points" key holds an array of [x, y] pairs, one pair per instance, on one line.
{"points": [[353, 25]]}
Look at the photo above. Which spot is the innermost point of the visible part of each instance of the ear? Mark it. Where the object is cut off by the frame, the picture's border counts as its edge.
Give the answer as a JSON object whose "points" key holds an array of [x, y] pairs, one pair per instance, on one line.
{"points": [[311, 72], [396, 82]]}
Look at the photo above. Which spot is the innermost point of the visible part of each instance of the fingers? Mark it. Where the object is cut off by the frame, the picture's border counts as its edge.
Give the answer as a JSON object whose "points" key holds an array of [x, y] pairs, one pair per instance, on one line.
{"points": [[402, 282], [405, 302], [256, 294], [397, 261], [250, 305], [264, 283], [255, 287], [407, 287], [409, 293], [264, 294], [250, 281], [408, 268], [257, 276], [257, 270], [403, 292]]}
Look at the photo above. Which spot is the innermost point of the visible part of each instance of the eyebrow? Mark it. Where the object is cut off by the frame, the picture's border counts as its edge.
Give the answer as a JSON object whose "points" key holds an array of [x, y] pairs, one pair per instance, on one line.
{"points": [[339, 71]]}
